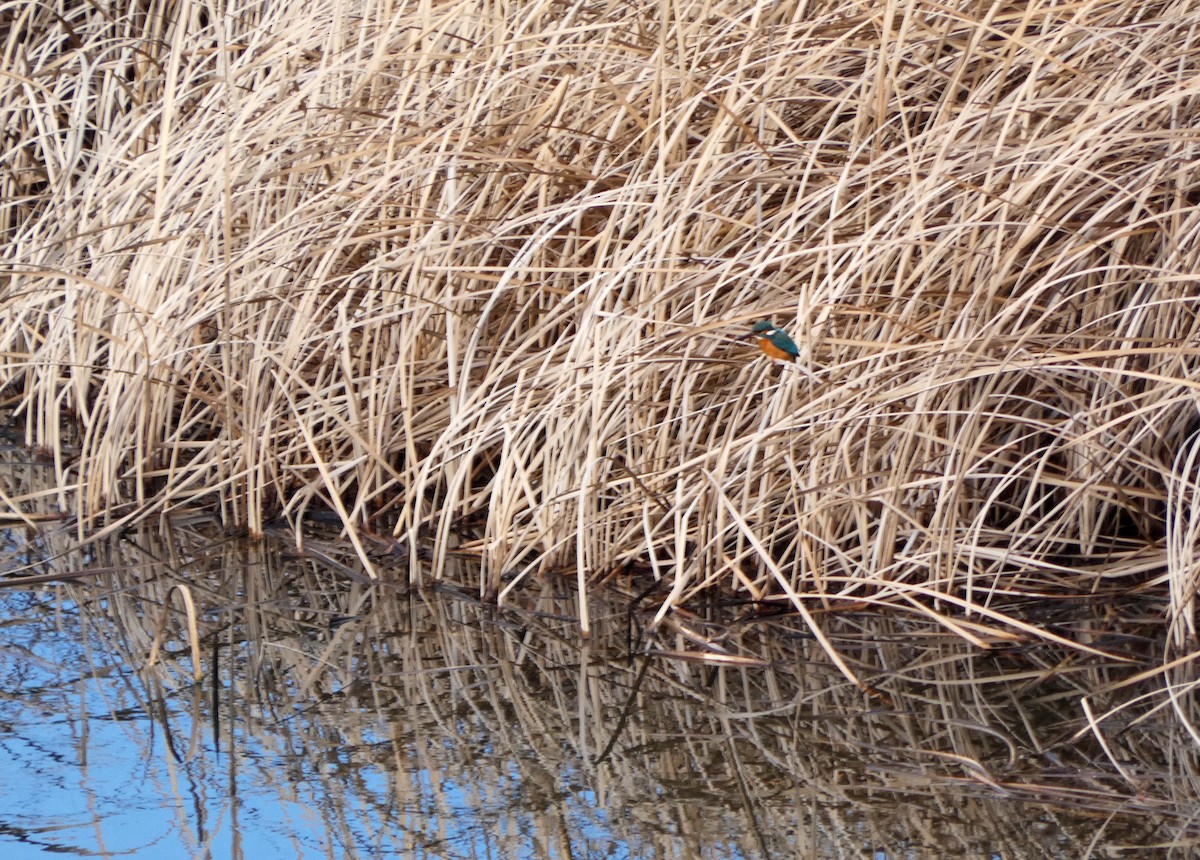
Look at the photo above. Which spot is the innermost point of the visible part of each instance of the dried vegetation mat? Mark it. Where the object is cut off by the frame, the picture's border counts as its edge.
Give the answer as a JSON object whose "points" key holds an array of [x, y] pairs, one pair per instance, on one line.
{"points": [[473, 276]]}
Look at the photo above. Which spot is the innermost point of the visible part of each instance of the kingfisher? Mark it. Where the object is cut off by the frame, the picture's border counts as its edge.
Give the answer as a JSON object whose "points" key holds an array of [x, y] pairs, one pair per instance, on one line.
{"points": [[774, 341]]}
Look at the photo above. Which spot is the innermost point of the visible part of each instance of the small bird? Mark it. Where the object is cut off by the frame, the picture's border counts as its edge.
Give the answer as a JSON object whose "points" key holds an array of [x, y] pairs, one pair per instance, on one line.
{"points": [[774, 341]]}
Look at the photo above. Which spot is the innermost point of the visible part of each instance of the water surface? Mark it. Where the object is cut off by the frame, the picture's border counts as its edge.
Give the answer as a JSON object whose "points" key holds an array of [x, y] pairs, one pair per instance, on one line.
{"points": [[336, 717]]}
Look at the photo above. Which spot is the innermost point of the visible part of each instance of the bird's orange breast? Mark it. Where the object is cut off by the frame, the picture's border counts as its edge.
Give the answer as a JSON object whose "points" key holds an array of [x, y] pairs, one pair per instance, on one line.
{"points": [[764, 343]]}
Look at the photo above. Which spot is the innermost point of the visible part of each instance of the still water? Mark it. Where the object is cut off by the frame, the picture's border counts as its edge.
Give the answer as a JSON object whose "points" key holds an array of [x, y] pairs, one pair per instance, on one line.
{"points": [[327, 716]]}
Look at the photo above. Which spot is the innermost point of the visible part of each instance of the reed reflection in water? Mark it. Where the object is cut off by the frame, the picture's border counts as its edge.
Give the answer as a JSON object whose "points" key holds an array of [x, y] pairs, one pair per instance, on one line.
{"points": [[338, 717]]}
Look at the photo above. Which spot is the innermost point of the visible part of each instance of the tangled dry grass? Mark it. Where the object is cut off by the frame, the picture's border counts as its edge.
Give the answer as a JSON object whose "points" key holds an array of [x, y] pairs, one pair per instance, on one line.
{"points": [[474, 275]]}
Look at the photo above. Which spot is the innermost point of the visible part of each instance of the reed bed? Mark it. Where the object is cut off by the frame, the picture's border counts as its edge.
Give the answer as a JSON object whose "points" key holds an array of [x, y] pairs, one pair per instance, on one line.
{"points": [[473, 276]]}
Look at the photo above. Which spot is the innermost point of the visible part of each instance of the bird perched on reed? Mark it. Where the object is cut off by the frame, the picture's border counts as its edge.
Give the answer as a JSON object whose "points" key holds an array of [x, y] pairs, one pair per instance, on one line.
{"points": [[774, 342]]}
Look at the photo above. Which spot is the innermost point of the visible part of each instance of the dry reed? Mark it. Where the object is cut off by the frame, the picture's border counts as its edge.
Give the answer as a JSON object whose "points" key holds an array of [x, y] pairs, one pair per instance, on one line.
{"points": [[474, 275]]}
